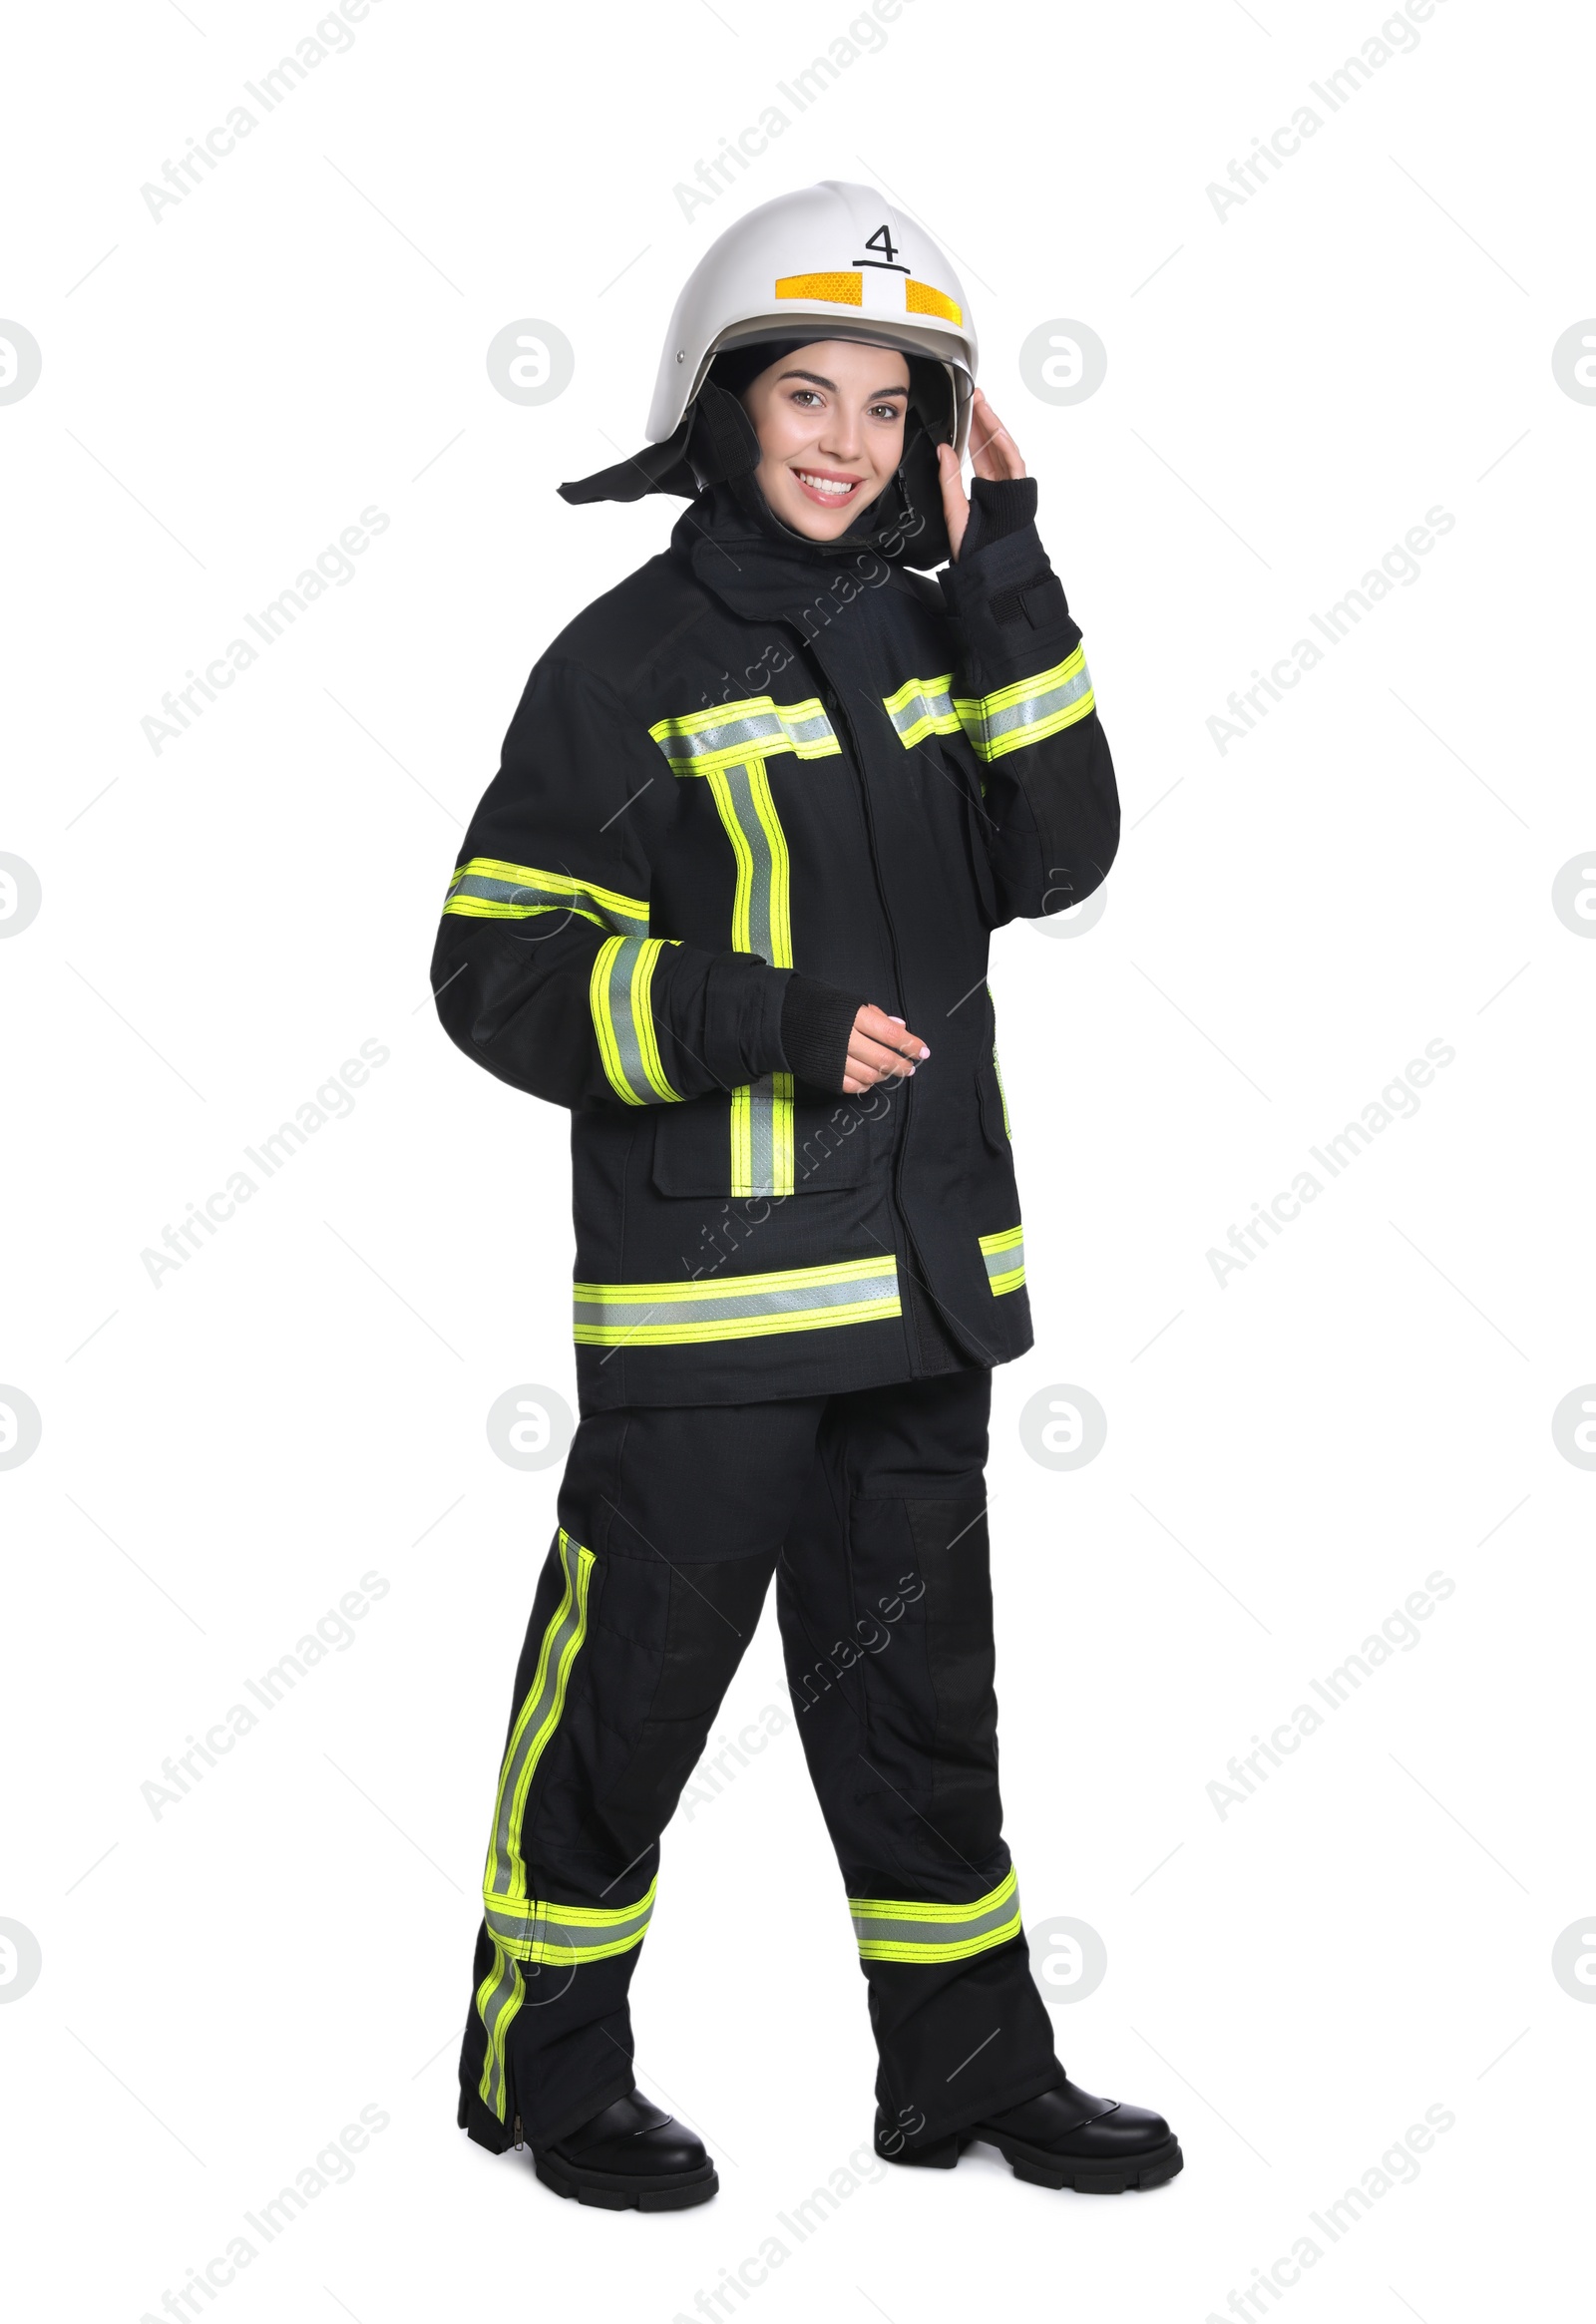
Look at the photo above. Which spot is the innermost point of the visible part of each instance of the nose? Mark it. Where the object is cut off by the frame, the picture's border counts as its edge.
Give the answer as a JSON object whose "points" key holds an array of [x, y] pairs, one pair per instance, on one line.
{"points": [[840, 438]]}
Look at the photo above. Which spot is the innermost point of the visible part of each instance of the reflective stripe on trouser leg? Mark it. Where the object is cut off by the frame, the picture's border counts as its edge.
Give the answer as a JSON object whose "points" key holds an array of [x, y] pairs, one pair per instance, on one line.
{"points": [[504, 1881], [895, 1929], [566, 1935]]}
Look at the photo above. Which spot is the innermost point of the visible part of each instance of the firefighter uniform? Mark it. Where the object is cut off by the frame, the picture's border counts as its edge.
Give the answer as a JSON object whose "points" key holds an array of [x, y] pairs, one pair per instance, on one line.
{"points": [[764, 780]]}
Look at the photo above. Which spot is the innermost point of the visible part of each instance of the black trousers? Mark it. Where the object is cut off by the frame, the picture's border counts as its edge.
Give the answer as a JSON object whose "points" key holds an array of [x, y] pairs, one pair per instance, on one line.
{"points": [[870, 1509]]}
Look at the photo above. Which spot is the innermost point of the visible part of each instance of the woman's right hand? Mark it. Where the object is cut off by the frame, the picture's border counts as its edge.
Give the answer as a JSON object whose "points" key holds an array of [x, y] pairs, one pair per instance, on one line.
{"points": [[879, 1049]]}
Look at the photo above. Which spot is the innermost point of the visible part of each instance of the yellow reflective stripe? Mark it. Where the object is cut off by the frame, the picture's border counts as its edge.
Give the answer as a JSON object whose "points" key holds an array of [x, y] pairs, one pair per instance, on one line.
{"points": [[903, 1929], [921, 299], [682, 1335], [582, 1915], [505, 1874], [778, 912], [762, 1115], [1009, 1240], [504, 1879], [569, 1934], [1005, 1256], [1029, 711], [744, 1287], [928, 1955], [604, 1022], [620, 1001], [642, 1019], [730, 733], [748, 1306], [839, 289], [742, 899], [923, 706], [487, 888], [499, 1998]]}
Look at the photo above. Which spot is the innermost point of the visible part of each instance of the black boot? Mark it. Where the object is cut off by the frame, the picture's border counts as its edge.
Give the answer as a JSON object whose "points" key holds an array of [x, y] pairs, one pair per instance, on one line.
{"points": [[629, 2157], [1065, 2138]]}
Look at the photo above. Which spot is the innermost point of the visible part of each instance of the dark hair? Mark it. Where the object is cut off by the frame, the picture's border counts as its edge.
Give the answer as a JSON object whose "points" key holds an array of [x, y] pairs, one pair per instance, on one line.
{"points": [[929, 390]]}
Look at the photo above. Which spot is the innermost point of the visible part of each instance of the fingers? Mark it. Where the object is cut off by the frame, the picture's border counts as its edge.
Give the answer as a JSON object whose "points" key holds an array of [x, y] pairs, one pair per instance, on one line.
{"points": [[992, 451], [891, 1033], [955, 503], [879, 1049]]}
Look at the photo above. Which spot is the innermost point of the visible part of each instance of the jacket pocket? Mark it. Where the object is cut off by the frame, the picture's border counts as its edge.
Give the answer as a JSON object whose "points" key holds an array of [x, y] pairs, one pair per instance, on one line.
{"points": [[767, 1142]]}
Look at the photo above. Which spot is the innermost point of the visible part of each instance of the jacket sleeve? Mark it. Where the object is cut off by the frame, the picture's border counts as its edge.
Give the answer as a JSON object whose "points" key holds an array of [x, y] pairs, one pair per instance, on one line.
{"points": [[546, 969], [1024, 697]]}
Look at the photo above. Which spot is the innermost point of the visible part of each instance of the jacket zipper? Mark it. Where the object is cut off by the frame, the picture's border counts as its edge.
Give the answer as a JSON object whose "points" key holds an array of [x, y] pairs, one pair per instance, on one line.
{"points": [[844, 720]]}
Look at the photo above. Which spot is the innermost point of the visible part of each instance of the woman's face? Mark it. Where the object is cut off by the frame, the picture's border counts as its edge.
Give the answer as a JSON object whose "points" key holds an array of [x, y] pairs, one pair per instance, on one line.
{"points": [[830, 421]]}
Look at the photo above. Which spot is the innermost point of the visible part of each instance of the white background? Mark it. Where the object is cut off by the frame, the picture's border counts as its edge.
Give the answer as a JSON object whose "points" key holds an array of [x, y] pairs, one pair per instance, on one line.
{"points": [[1289, 389]]}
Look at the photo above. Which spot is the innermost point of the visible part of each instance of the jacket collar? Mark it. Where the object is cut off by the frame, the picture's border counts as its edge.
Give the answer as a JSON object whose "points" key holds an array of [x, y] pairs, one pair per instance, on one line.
{"points": [[758, 566]]}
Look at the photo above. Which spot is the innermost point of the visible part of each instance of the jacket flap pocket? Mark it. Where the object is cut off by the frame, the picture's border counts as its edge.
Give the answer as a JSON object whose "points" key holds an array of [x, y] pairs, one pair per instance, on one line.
{"points": [[763, 1141]]}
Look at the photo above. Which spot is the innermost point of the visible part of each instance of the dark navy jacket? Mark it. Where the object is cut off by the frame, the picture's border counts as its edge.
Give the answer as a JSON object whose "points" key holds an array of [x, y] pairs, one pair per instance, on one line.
{"points": [[754, 758]]}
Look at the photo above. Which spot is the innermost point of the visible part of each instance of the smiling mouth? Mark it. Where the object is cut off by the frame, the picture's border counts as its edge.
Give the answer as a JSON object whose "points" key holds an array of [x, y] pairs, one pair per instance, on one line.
{"points": [[827, 492]]}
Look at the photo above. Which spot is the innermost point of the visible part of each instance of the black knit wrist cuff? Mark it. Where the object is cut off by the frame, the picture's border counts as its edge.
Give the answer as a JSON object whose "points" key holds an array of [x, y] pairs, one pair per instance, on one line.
{"points": [[816, 1020]]}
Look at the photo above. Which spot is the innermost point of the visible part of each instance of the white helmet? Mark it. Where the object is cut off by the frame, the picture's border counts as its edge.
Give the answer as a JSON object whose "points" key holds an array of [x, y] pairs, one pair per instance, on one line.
{"points": [[833, 256]]}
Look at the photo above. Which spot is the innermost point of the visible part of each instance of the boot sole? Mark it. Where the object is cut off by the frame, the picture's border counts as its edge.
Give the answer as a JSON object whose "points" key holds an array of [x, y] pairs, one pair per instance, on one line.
{"points": [[1038, 2168], [608, 2191]]}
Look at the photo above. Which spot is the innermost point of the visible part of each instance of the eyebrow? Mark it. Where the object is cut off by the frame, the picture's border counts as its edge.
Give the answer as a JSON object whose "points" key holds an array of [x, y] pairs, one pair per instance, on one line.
{"points": [[816, 380]]}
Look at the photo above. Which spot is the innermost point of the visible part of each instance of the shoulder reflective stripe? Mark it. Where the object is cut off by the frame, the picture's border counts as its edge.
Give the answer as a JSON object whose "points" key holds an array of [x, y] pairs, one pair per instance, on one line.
{"points": [[536, 1932], [1004, 1255], [897, 1929], [504, 1878], [623, 1017], [761, 921], [923, 706], [485, 889], [1031, 710], [748, 1306], [702, 740]]}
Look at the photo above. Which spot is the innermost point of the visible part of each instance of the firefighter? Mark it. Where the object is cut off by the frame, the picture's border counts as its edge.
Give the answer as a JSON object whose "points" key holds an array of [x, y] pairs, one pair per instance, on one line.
{"points": [[728, 900]]}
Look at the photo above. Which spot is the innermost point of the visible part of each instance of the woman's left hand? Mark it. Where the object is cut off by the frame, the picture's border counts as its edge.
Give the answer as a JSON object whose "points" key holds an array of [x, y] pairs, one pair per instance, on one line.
{"points": [[993, 453]]}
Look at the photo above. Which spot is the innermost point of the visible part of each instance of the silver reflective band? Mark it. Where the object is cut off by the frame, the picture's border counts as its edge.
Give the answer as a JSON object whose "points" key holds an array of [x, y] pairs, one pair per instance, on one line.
{"points": [[1029, 711], [923, 706], [504, 1880], [540, 1933], [761, 1111], [758, 728], [506, 1873], [619, 993], [794, 1299], [485, 889], [1005, 1256], [895, 1929]]}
